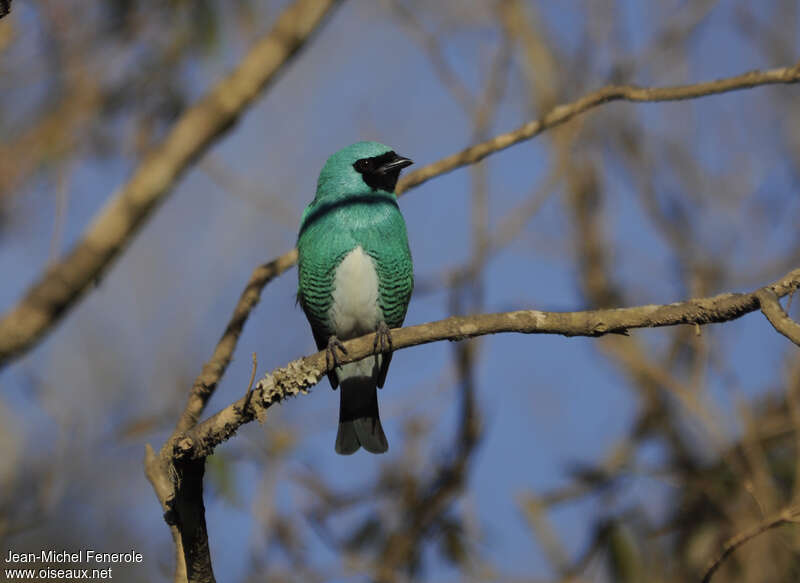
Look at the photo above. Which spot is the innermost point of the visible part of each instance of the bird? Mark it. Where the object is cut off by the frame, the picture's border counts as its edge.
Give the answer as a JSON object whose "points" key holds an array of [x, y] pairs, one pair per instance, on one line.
{"points": [[355, 277]]}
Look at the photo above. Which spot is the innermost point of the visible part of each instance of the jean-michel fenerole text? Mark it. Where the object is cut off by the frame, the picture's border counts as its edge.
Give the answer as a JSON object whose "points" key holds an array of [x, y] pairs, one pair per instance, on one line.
{"points": [[81, 556]]}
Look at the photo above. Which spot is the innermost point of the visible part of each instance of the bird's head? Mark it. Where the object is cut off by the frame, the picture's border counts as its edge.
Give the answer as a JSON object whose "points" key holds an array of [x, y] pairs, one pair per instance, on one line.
{"points": [[359, 169]]}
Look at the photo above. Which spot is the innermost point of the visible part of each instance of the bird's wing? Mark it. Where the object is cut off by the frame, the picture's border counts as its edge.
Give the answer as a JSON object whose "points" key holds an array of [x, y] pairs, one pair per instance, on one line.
{"points": [[321, 248], [388, 247], [396, 282]]}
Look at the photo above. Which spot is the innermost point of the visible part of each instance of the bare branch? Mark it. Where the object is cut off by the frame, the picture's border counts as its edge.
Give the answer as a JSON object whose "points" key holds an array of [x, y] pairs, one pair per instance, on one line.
{"points": [[206, 382], [62, 285], [190, 519], [300, 375], [198, 128], [784, 517], [179, 486], [563, 113], [196, 442], [178, 483], [777, 316], [157, 472]]}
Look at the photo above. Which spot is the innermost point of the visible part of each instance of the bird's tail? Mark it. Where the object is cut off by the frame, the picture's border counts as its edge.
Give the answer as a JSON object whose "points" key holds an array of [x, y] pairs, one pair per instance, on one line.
{"points": [[359, 421]]}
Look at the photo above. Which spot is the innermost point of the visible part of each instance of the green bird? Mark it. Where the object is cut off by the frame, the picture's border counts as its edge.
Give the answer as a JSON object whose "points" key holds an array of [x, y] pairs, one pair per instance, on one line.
{"points": [[356, 277]]}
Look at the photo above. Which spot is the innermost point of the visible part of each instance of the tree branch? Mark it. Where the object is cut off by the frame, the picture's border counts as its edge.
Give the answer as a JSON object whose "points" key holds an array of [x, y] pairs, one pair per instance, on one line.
{"points": [[158, 473], [777, 316], [197, 129], [300, 375], [556, 116], [191, 443], [786, 516], [206, 382], [178, 483], [63, 284], [563, 113], [179, 486]]}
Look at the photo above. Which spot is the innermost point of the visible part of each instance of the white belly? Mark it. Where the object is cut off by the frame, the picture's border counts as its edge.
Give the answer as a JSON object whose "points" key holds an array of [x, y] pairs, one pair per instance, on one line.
{"points": [[354, 310]]}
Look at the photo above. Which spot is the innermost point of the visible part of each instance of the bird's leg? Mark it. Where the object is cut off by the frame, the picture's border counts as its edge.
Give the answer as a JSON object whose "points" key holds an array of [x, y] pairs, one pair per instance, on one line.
{"points": [[330, 352], [383, 337]]}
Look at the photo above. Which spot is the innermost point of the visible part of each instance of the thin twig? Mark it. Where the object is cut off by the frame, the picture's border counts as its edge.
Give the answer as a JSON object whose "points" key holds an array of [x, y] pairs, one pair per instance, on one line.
{"points": [[786, 516], [249, 392]]}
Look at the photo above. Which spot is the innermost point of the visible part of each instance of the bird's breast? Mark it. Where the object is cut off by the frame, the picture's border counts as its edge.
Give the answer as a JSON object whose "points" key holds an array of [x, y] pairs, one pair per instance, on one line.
{"points": [[355, 310]]}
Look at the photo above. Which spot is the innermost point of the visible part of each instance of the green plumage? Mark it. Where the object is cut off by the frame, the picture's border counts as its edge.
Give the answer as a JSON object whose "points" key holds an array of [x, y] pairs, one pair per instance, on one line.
{"points": [[353, 209], [326, 238]]}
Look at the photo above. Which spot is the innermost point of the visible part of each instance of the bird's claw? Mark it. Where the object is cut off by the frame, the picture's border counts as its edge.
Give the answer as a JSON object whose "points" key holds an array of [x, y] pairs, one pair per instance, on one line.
{"points": [[383, 337], [331, 359]]}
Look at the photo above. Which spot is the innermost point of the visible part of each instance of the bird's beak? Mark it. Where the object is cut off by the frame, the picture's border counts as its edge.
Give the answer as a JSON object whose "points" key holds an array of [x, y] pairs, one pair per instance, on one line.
{"points": [[397, 163]]}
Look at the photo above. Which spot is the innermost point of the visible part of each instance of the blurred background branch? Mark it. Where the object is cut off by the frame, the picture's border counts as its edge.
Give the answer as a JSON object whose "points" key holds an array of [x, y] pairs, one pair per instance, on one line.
{"points": [[197, 128]]}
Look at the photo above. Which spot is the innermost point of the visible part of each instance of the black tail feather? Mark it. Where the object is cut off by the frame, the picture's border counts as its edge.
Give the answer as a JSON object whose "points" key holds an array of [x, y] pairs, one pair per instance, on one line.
{"points": [[359, 420]]}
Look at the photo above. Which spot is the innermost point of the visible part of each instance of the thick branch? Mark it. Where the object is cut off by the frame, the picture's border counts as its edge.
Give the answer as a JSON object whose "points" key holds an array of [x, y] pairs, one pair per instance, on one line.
{"points": [[158, 473], [112, 229], [179, 487], [300, 375], [190, 520]]}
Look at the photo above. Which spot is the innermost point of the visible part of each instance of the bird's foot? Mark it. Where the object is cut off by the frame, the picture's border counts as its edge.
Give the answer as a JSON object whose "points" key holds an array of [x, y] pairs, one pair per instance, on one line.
{"points": [[383, 339], [331, 359]]}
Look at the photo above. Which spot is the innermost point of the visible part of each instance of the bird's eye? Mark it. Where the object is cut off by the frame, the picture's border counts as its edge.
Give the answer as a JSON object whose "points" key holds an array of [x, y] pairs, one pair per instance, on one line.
{"points": [[362, 165]]}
